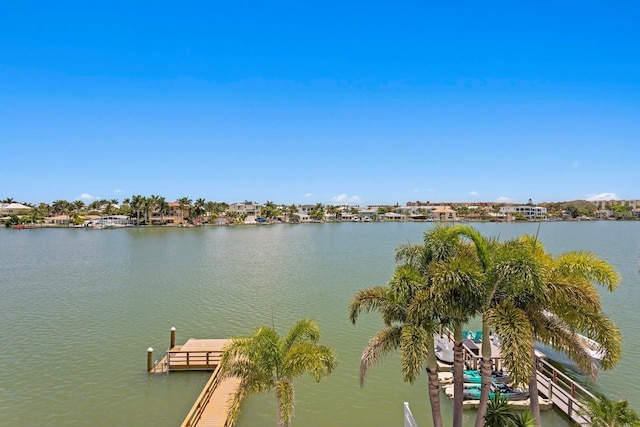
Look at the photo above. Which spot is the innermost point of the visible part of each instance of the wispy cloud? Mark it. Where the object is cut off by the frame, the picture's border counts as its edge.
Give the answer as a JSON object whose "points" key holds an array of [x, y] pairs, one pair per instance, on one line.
{"points": [[503, 199], [117, 191], [307, 195], [473, 193], [602, 196], [86, 196], [344, 198]]}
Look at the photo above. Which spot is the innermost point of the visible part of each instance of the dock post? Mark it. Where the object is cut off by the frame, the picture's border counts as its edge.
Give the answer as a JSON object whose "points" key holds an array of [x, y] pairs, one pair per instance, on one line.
{"points": [[149, 359], [173, 338]]}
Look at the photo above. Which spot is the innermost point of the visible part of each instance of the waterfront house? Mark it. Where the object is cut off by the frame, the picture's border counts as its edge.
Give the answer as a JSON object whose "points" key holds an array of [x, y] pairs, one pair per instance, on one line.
{"points": [[250, 209], [8, 209], [529, 212]]}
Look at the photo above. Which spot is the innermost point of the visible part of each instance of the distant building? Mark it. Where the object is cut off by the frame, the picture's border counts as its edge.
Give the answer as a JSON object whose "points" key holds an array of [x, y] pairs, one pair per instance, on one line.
{"points": [[251, 209], [529, 212], [7, 209]]}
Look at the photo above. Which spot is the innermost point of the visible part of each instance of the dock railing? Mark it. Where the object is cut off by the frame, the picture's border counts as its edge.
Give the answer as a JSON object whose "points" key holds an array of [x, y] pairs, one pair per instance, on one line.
{"points": [[192, 360], [564, 392], [195, 413], [409, 420]]}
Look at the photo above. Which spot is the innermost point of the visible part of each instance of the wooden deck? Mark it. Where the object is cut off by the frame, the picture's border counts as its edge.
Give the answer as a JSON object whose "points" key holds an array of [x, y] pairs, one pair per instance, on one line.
{"points": [[210, 409], [554, 388], [194, 355]]}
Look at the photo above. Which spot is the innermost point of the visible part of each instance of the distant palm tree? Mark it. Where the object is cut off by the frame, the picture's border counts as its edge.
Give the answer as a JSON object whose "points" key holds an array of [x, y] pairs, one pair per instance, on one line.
{"points": [[608, 413], [162, 206], [264, 361], [62, 207], [199, 208], [183, 202], [137, 203]]}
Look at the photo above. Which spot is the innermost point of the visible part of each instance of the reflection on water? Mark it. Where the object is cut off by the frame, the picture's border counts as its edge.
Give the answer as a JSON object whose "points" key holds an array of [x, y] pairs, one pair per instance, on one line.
{"points": [[81, 307]]}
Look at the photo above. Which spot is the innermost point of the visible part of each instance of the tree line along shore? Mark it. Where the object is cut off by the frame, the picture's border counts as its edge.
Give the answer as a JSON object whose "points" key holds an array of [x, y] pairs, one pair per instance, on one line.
{"points": [[156, 210]]}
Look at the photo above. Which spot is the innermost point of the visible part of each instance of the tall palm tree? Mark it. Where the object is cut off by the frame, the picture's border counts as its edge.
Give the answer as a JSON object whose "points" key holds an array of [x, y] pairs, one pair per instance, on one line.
{"points": [[264, 361], [438, 283], [505, 265], [570, 305], [454, 289], [411, 335]]}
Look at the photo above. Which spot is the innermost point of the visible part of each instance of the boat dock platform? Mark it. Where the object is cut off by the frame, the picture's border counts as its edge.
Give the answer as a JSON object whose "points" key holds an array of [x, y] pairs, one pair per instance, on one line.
{"points": [[210, 408], [555, 389]]}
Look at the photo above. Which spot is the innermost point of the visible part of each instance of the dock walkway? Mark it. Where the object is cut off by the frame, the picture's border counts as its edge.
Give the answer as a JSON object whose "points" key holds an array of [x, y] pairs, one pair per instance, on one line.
{"points": [[211, 408]]}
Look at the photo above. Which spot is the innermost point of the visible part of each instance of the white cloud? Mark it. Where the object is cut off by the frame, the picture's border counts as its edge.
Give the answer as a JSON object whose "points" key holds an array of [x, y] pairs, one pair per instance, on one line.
{"points": [[307, 194], [603, 196], [473, 193], [503, 199], [86, 196], [415, 190], [344, 198], [117, 191]]}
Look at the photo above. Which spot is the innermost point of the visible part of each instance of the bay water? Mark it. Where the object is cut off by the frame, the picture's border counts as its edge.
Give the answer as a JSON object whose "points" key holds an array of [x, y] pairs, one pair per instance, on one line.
{"points": [[79, 308]]}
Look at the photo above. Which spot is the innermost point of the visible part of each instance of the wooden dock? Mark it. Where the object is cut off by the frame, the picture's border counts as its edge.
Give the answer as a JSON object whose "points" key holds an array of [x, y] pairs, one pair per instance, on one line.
{"points": [[210, 409], [555, 389]]}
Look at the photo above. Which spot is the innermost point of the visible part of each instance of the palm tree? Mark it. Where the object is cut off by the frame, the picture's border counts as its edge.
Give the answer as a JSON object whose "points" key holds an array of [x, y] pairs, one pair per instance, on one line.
{"points": [[148, 204], [438, 283], [504, 265], [61, 207], [522, 286], [78, 205], [199, 208], [570, 305], [162, 206], [454, 289], [183, 202], [137, 204], [264, 361], [607, 413], [412, 335]]}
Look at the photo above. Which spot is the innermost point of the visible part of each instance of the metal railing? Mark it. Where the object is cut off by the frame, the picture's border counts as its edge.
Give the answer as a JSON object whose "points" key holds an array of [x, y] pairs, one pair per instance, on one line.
{"points": [[409, 420]]}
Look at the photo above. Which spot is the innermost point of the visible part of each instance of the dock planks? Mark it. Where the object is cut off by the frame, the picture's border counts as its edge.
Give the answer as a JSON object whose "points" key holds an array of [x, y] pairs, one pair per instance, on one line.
{"points": [[211, 407]]}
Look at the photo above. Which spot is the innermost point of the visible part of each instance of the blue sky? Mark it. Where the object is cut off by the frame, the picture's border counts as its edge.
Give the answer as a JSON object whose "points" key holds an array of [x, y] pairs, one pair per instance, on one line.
{"points": [[333, 102]]}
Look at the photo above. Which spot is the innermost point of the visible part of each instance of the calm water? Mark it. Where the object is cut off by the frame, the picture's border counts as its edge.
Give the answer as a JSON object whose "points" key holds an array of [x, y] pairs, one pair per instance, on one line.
{"points": [[79, 309]]}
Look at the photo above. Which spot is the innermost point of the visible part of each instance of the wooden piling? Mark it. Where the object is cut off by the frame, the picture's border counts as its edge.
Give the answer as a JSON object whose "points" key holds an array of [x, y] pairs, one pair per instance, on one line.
{"points": [[149, 359]]}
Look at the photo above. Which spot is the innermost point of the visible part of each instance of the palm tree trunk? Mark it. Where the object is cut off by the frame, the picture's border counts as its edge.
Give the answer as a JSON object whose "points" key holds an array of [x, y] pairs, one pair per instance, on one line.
{"points": [[534, 402], [458, 376], [434, 385], [485, 372], [281, 422]]}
